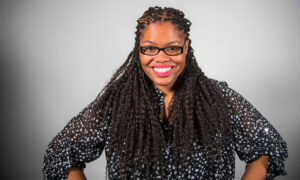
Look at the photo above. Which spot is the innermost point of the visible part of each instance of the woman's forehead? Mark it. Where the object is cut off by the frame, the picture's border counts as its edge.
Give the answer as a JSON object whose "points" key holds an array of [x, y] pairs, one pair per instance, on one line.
{"points": [[161, 31]]}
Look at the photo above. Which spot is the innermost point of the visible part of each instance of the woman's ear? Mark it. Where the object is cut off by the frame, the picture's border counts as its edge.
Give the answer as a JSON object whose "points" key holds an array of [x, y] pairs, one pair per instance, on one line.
{"points": [[186, 46]]}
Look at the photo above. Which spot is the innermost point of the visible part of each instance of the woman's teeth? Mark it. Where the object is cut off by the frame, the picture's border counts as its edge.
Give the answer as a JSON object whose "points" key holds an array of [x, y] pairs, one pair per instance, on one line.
{"points": [[162, 70]]}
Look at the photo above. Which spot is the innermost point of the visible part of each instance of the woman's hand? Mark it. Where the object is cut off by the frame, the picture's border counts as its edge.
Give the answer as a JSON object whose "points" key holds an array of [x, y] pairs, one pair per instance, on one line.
{"points": [[76, 173], [257, 169]]}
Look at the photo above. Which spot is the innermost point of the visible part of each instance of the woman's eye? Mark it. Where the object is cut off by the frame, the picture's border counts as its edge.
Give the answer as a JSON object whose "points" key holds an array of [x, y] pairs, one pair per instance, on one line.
{"points": [[150, 49], [173, 48]]}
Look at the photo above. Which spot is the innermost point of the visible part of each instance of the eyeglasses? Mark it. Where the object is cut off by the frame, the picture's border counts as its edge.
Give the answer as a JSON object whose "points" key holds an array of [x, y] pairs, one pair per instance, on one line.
{"points": [[170, 50]]}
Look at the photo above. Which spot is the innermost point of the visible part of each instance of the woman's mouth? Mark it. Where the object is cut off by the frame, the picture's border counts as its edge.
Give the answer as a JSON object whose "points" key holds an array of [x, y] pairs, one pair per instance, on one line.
{"points": [[162, 71]]}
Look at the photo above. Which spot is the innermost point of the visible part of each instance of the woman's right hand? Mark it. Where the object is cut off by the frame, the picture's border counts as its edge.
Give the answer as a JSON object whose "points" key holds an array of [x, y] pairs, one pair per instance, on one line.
{"points": [[76, 173]]}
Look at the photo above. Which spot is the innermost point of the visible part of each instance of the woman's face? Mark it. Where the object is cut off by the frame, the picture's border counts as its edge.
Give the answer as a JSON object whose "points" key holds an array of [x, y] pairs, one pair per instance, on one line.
{"points": [[161, 68]]}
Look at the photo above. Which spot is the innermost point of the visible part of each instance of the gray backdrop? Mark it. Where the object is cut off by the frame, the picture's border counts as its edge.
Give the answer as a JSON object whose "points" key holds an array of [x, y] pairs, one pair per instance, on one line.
{"points": [[57, 55]]}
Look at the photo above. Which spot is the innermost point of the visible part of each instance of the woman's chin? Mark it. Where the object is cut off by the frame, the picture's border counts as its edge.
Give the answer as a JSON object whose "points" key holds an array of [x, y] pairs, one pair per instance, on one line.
{"points": [[164, 83]]}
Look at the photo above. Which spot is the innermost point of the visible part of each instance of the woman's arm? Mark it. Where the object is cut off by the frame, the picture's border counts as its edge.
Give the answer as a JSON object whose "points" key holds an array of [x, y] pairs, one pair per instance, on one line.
{"points": [[76, 173], [253, 137], [81, 141], [257, 169]]}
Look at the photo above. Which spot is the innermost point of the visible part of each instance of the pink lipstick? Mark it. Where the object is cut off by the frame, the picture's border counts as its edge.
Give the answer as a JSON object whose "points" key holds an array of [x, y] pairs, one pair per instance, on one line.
{"points": [[162, 70]]}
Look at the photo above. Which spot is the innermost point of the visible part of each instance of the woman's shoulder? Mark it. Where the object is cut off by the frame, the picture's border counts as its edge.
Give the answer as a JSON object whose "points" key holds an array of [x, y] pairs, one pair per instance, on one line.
{"points": [[224, 89], [220, 84]]}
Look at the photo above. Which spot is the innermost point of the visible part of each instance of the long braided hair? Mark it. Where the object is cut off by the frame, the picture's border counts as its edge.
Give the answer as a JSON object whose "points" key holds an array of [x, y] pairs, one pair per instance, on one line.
{"points": [[128, 103]]}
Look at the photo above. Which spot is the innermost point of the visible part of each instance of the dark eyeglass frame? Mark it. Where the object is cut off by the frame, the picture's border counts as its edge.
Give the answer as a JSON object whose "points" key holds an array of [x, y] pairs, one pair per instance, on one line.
{"points": [[163, 49]]}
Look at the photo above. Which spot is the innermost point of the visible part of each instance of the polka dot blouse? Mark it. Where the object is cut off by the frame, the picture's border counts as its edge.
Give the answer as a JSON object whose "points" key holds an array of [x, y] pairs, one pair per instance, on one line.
{"points": [[85, 137]]}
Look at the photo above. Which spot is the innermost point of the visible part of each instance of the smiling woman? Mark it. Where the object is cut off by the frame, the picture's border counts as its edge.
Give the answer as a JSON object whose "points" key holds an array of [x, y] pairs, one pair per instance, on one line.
{"points": [[163, 67], [160, 117]]}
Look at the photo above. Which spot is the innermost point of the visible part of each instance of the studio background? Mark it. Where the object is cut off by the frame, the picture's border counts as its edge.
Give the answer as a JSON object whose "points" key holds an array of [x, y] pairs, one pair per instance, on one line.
{"points": [[56, 56]]}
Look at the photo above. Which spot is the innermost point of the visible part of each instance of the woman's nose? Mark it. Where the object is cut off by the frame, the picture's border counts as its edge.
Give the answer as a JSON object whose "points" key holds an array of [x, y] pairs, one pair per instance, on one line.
{"points": [[161, 57]]}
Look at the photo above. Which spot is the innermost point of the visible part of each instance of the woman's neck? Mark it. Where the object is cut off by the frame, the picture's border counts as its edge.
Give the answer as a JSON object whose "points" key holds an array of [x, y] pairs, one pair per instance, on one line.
{"points": [[167, 91]]}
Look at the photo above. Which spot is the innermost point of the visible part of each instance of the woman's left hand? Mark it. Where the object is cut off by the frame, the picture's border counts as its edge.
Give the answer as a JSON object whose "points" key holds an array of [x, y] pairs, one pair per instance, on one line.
{"points": [[257, 169]]}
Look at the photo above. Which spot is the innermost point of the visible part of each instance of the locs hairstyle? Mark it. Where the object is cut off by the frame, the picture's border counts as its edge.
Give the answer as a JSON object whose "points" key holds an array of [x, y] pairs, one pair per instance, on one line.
{"points": [[129, 104]]}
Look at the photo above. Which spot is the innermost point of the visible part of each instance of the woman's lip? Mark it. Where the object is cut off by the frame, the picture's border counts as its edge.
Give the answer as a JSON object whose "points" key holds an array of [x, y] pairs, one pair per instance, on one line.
{"points": [[161, 66], [162, 74]]}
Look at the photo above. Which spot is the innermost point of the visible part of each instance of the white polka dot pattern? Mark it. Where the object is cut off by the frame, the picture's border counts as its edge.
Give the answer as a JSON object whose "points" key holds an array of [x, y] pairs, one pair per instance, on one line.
{"points": [[85, 137]]}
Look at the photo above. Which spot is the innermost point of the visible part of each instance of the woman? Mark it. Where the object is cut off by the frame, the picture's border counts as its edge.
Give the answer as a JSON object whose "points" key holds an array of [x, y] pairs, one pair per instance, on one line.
{"points": [[160, 117]]}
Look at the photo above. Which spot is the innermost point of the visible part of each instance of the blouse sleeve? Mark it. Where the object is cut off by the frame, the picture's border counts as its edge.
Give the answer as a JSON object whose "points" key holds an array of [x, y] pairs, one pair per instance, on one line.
{"points": [[253, 135], [81, 140]]}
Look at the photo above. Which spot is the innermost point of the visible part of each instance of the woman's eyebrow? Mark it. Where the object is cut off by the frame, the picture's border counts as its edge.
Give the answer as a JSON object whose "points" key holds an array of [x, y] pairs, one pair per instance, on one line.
{"points": [[179, 42], [147, 41]]}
